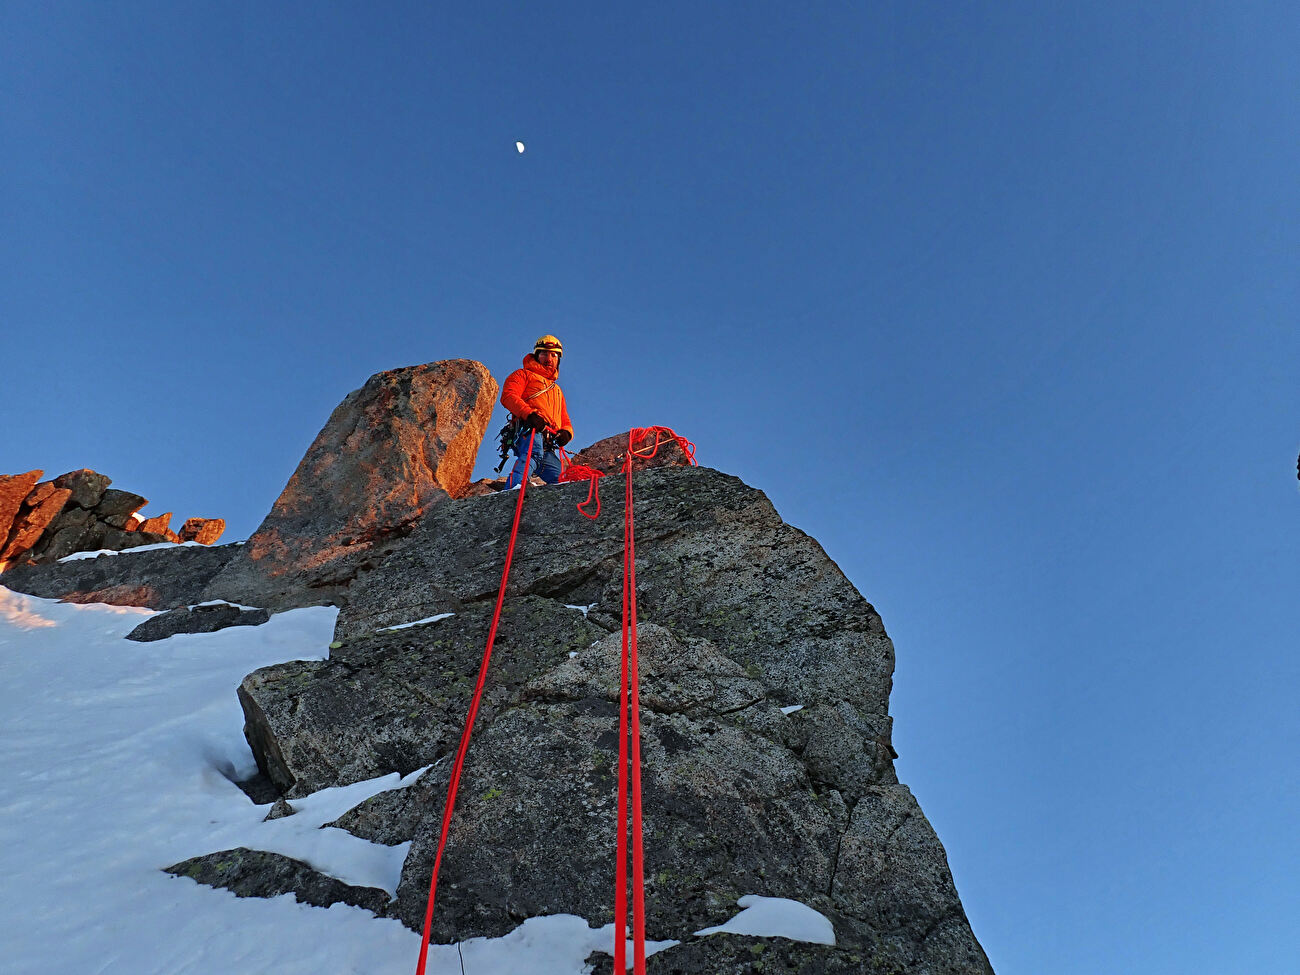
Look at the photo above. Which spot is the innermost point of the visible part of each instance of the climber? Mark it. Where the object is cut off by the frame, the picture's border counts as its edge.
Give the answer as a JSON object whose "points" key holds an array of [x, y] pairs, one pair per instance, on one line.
{"points": [[536, 403]]}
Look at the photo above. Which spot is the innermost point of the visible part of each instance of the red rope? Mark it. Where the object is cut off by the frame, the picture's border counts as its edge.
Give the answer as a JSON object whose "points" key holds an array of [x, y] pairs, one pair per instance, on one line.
{"points": [[629, 748], [454, 782], [581, 472], [663, 435]]}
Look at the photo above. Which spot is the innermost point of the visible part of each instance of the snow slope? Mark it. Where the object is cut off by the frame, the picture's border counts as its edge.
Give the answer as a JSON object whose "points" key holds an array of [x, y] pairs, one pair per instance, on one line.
{"points": [[120, 759]]}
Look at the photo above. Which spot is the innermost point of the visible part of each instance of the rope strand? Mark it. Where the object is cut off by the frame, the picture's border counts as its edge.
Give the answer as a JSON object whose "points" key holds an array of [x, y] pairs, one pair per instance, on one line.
{"points": [[454, 783]]}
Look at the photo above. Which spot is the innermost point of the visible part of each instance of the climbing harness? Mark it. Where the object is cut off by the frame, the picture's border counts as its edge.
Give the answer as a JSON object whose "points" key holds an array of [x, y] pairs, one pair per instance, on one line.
{"points": [[509, 433], [629, 749]]}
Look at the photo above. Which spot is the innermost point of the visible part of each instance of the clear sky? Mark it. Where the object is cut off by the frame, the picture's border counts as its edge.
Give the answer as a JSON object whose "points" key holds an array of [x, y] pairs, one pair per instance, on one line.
{"points": [[998, 301]]}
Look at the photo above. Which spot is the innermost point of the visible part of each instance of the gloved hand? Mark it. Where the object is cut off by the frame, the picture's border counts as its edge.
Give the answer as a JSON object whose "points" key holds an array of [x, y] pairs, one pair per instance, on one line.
{"points": [[535, 421], [562, 438]]}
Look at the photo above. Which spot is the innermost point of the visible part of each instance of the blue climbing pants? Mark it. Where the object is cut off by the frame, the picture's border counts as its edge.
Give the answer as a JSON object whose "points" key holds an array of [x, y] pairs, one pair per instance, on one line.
{"points": [[546, 464]]}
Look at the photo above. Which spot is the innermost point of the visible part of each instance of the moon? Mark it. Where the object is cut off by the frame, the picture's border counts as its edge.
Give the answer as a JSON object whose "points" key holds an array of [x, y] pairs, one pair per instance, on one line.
{"points": [[519, 146]]}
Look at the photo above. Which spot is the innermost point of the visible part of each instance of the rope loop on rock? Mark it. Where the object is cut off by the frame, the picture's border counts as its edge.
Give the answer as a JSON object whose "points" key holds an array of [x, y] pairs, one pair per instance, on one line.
{"points": [[662, 436], [581, 472]]}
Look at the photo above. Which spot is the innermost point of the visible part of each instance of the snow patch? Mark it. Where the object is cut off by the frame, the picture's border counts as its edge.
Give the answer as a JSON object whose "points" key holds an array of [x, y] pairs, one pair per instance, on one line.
{"points": [[403, 626], [584, 610], [777, 917], [223, 602], [78, 556], [333, 851], [791, 708], [121, 759]]}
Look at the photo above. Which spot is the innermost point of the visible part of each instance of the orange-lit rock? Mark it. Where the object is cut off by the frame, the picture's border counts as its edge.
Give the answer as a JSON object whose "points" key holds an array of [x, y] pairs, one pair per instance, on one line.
{"points": [[158, 526], [405, 440], [14, 488], [205, 531], [40, 508]]}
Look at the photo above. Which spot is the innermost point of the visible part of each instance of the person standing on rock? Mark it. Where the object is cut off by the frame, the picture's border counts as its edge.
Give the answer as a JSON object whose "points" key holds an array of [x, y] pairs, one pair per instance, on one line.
{"points": [[536, 403]]}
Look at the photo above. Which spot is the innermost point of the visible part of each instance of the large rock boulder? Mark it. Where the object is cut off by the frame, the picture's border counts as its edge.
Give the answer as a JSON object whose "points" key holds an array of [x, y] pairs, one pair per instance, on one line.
{"points": [[204, 618], [117, 508], [403, 442], [768, 767]]}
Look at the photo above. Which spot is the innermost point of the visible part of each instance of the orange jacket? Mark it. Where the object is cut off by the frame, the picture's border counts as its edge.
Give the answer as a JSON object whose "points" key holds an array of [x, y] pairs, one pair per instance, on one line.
{"points": [[534, 388]]}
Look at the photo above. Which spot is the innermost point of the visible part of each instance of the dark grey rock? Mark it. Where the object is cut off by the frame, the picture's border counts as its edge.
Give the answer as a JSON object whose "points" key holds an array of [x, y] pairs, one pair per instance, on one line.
{"points": [[260, 789], [256, 873], [87, 486], [196, 619], [714, 561], [726, 813], [116, 507], [156, 579], [395, 701], [738, 954], [74, 529], [893, 879], [279, 809]]}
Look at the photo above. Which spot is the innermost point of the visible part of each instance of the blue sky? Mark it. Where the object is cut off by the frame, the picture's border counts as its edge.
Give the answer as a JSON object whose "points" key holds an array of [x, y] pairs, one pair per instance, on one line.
{"points": [[997, 301]]}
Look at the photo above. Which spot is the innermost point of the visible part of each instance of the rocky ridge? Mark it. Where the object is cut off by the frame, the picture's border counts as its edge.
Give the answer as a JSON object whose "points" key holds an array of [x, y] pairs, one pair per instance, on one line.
{"points": [[44, 521]]}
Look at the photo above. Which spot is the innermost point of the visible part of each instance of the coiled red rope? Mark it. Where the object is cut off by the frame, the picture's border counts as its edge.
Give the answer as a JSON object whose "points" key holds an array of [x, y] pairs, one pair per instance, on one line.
{"points": [[581, 472]]}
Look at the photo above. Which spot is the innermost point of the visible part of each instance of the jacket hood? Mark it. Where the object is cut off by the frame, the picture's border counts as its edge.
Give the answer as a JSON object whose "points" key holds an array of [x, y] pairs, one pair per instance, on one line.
{"points": [[532, 365]]}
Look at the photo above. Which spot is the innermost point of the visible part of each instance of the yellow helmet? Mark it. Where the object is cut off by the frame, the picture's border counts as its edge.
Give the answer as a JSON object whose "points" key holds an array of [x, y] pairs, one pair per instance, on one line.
{"points": [[549, 343]]}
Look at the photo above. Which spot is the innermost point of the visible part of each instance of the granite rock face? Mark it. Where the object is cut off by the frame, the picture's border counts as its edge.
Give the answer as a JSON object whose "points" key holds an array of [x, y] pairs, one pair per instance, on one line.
{"points": [[768, 765], [394, 701], [715, 560], [403, 442]]}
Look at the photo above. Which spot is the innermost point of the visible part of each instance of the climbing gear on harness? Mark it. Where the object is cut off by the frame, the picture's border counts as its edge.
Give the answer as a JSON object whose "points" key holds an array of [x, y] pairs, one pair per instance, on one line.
{"points": [[506, 438], [549, 343]]}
